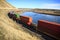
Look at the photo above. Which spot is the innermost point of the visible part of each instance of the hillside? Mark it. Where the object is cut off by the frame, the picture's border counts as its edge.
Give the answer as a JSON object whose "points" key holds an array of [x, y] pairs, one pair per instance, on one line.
{"points": [[9, 29], [5, 5]]}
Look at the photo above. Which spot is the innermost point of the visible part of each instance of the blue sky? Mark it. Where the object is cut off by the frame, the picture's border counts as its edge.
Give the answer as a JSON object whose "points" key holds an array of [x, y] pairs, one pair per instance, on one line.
{"points": [[43, 4]]}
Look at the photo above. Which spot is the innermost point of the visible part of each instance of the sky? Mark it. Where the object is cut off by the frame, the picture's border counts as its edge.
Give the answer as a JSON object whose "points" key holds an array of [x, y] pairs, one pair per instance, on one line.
{"points": [[42, 4]]}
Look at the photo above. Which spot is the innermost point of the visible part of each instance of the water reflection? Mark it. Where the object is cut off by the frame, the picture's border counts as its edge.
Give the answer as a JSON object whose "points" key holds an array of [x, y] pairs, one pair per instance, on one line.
{"points": [[37, 17]]}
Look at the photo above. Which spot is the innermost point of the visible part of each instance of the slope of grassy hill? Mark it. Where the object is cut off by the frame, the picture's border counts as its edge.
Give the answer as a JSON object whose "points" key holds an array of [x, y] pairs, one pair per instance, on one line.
{"points": [[9, 29], [5, 5]]}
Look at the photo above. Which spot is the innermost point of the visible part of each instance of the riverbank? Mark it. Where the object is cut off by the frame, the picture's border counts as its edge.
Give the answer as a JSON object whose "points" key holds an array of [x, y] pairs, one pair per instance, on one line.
{"points": [[47, 11]]}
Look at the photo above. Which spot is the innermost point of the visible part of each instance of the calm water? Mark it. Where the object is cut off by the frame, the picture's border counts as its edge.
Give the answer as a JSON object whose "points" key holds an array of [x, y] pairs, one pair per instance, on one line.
{"points": [[37, 17]]}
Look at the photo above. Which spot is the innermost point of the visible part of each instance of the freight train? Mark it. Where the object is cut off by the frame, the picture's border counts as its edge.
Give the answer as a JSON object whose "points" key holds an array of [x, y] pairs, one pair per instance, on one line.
{"points": [[50, 28]]}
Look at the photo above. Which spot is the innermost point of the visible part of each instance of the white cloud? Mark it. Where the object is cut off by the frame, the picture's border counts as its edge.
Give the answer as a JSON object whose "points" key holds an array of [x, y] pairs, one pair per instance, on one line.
{"points": [[51, 6]]}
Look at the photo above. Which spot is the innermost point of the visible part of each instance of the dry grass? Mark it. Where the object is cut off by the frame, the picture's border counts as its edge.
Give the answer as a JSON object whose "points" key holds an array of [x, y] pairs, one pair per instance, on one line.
{"points": [[4, 4], [10, 30]]}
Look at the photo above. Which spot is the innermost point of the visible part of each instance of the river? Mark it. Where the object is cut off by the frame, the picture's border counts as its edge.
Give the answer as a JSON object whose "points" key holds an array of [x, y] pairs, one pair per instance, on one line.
{"points": [[36, 17]]}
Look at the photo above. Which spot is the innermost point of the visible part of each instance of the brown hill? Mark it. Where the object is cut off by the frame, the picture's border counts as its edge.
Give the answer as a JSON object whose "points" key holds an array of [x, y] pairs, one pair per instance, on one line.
{"points": [[10, 30], [4, 4]]}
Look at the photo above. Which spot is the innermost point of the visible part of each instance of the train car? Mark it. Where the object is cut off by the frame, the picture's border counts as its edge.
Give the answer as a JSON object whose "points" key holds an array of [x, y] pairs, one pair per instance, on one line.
{"points": [[50, 28], [26, 20]]}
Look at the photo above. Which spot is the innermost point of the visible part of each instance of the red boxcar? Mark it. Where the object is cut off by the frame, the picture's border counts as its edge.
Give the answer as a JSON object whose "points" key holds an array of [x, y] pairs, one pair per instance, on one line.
{"points": [[26, 20], [50, 28]]}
